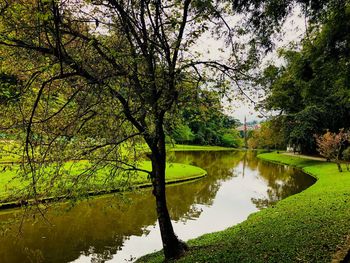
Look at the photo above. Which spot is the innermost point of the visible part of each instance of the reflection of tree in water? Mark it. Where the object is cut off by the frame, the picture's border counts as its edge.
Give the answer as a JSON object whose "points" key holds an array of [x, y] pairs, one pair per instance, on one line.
{"points": [[95, 227], [219, 167], [282, 181], [218, 164], [250, 160], [100, 228]]}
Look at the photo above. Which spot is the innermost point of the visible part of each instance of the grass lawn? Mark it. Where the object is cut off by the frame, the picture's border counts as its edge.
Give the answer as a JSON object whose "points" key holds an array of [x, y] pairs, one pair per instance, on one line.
{"points": [[185, 147], [12, 184], [312, 226], [7, 147]]}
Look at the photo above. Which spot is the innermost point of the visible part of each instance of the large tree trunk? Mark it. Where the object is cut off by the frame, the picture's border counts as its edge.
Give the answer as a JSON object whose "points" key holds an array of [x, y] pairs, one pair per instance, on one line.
{"points": [[173, 247]]}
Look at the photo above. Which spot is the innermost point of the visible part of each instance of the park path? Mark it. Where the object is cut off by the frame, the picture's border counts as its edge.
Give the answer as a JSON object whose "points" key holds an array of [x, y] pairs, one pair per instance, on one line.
{"points": [[305, 156]]}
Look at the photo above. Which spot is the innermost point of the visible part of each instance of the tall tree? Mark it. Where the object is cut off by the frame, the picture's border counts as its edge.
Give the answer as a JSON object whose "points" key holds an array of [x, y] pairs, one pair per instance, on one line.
{"points": [[311, 92], [116, 65], [127, 57]]}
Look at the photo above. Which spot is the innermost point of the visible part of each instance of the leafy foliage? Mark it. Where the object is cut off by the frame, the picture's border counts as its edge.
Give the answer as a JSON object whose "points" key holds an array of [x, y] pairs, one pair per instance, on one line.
{"points": [[183, 134], [307, 227], [346, 157], [9, 88], [331, 145], [312, 91], [265, 17], [202, 122], [270, 135]]}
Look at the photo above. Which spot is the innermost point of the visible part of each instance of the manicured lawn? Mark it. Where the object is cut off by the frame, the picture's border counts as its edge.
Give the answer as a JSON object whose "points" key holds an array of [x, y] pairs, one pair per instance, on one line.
{"points": [[7, 147], [12, 184], [311, 226], [184, 147]]}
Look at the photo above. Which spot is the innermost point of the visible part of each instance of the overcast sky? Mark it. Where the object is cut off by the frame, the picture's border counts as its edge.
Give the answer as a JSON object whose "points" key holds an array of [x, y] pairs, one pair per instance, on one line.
{"points": [[294, 29]]}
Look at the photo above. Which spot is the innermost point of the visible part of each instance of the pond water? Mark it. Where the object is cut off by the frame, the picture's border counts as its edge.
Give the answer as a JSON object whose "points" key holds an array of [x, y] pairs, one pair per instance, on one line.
{"points": [[120, 228]]}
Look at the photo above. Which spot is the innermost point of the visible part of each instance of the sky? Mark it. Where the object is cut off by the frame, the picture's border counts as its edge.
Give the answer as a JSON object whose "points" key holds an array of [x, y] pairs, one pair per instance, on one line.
{"points": [[212, 49], [293, 31]]}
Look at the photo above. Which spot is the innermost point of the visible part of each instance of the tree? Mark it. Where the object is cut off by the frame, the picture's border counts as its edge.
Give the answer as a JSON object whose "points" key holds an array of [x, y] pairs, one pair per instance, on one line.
{"points": [[346, 157], [330, 145], [183, 134], [120, 64], [102, 73], [269, 135], [203, 114], [311, 91], [231, 138]]}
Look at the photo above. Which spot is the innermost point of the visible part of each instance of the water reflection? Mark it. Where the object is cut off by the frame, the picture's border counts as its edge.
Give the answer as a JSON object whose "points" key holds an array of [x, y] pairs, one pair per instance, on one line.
{"points": [[118, 228]]}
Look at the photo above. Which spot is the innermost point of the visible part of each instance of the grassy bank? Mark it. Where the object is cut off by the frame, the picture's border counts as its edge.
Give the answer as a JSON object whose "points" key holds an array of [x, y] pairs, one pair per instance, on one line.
{"points": [[311, 226], [13, 186], [9, 147], [185, 147]]}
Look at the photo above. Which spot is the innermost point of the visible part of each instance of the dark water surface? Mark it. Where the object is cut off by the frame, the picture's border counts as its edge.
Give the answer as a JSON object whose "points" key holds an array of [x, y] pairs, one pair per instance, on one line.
{"points": [[117, 228]]}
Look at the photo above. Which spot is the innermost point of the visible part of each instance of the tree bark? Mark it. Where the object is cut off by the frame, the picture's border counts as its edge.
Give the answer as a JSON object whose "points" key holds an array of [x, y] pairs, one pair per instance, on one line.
{"points": [[339, 166], [173, 247]]}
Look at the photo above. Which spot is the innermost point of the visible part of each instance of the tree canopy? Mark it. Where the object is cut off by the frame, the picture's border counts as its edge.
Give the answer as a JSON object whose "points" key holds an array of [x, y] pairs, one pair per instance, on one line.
{"points": [[100, 76], [311, 92], [201, 120]]}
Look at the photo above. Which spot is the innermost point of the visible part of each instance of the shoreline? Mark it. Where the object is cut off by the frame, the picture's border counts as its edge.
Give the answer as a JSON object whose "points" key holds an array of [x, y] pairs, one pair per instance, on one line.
{"points": [[311, 226]]}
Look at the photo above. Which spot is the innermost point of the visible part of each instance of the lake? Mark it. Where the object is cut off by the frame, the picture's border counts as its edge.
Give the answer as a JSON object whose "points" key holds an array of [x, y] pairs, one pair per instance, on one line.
{"points": [[123, 227]]}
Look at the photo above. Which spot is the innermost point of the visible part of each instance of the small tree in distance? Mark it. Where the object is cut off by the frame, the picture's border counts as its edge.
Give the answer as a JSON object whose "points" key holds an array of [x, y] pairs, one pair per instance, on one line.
{"points": [[104, 75], [330, 145], [346, 158], [101, 73]]}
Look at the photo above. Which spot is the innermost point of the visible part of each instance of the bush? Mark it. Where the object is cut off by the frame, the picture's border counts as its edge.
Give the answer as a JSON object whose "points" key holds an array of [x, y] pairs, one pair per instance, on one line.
{"points": [[183, 134], [231, 139]]}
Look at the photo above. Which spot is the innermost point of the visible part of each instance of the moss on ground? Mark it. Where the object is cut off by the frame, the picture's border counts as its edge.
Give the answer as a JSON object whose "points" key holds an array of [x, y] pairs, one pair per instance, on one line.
{"points": [[311, 226]]}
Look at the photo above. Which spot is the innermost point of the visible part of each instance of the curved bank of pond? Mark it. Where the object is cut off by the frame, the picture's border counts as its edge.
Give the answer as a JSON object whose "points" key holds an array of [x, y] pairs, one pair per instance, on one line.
{"points": [[12, 187], [312, 226], [123, 226]]}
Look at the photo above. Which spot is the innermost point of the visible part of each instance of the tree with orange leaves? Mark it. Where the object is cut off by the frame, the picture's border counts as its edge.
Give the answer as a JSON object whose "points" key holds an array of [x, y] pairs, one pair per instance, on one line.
{"points": [[330, 145]]}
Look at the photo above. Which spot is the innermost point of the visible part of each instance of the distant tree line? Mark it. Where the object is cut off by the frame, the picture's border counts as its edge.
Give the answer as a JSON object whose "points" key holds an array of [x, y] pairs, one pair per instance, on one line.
{"points": [[268, 136], [203, 122]]}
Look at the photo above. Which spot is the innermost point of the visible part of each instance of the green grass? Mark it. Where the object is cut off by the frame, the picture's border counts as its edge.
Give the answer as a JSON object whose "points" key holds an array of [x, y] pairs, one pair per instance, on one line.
{"points": [[12, 184], [7, 147], [311, 226], [184, 147]]}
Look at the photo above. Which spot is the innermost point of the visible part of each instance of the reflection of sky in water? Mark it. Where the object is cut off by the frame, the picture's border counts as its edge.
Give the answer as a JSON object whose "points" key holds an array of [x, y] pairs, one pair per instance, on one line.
{"points": [[112, 229], [232, 205]]}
